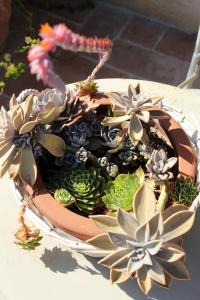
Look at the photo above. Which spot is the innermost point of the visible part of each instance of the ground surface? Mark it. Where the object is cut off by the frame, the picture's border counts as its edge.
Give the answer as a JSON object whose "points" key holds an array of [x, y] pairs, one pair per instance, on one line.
{"points": [[143, 48]]}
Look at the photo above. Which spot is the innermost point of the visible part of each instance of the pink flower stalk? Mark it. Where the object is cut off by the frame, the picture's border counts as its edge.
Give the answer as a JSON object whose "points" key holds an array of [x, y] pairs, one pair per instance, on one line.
{"points": [[60, 35]]}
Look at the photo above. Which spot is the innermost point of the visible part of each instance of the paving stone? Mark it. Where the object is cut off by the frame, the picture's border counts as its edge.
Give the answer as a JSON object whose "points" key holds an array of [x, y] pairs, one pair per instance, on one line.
{"points": [[147, 64], [143, 31], [4, 101], [80, 68], [106, 21], [177, 44]]}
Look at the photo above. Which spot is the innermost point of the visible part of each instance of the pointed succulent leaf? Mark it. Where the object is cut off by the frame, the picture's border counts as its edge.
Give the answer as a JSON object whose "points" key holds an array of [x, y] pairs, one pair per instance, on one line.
{"points": [[153, 246], [144, 204], [140, 174], [142, 233], [135, 128], [134, 265], [127, 222], [144, 115], [17, 117], [118, 276], [172, 210], [156, 226], [28, 105], [54, 144], [28, 168], [156, 272], [12, 102], [7, 163], [102, 241], [163, 197], [115, 120], [114, 257], [106, 223], [144, 280], [176, 269], [178, 224], [171, 252], [28, 126], [5, 147], [119, 239], [117, 100]]}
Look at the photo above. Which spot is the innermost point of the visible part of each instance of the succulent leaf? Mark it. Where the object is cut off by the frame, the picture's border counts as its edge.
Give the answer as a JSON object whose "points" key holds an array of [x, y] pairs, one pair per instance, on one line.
{"points": [[119, 193], [87, 186], [64, 197]]}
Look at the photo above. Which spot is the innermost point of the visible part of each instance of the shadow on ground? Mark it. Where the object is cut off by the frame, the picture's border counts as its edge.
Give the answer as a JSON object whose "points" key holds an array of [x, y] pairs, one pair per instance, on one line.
{"points": [[62, 261]]}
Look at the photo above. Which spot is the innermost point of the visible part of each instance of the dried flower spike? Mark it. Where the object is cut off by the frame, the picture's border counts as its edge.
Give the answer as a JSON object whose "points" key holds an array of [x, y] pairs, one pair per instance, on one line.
{"points": [[26, 237]]}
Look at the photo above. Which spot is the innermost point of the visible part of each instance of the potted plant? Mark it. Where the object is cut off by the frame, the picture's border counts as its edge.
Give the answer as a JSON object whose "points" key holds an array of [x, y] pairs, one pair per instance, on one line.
{"points": [[113, 173]]}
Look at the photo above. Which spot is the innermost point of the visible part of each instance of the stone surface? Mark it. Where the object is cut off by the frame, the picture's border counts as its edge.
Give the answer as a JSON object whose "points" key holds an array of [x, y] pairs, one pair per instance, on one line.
{"points": [[143, 31], [181, 13], [177, 44], [5, 11], [105, 21], [147, 64]]}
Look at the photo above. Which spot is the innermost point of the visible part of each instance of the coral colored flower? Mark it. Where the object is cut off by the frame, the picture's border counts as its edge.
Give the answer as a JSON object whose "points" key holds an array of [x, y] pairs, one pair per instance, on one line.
{"points": [[46, 30]]}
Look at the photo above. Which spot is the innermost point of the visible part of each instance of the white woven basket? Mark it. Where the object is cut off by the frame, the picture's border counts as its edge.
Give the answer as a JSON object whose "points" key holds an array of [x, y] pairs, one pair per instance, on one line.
{"points": [[81, 246]]}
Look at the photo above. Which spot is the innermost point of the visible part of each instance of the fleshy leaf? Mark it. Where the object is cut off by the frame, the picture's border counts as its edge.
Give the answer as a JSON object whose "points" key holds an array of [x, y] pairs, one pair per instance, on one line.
{"points": [[28, 105], [114, 257], [54, 144], [144, 204], [153, 246], [156, 272], [140, 174], [6, 164], [144, 280], [102, 241], [143, 232], [118, 276], [178, 224], [176, 269], [119, 239], [28, 126], [127, 222], [171, 252], [28, 168], [115, 120], [135, 128], [106, 223]]}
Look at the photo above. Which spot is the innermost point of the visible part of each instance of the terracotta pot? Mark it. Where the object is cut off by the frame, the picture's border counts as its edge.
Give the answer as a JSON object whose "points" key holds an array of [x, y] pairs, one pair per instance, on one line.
{"points": [[83, 227]]}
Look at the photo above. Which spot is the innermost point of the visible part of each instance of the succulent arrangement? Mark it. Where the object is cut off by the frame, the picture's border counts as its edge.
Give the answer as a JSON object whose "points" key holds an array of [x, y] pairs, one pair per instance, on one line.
{"points": [[108, 161]]}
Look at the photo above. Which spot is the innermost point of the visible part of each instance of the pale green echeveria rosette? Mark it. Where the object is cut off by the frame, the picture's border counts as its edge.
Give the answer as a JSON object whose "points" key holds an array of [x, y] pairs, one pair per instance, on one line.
{"points": [[145, 244], [18, 129]]}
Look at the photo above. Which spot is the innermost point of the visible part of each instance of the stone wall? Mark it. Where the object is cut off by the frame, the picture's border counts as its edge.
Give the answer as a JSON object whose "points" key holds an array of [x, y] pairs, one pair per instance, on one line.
{"points": [[182, 13], [5, 11]]}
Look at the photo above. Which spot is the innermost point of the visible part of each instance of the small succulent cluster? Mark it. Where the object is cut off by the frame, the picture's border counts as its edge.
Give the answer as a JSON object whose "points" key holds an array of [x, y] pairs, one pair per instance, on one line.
{"points": [[184, 191], [82, 187], [26, 237]]}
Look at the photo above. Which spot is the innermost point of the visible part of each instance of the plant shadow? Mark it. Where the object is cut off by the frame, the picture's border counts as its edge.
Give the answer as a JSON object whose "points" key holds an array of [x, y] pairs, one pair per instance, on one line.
{"points": [[62, 261]]}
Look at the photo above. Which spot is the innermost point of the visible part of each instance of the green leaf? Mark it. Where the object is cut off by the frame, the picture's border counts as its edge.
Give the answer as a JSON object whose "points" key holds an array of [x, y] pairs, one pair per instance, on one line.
{"points": [[140, 174], [120, 192]]}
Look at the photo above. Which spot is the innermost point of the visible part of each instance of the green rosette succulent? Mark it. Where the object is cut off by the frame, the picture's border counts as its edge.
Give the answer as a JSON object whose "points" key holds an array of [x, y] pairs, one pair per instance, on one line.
{"points": [[120, 192], [184, 191], [87, 187], [64, 197]]}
